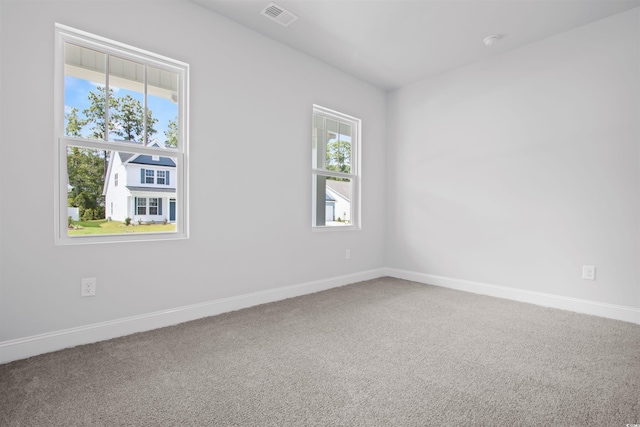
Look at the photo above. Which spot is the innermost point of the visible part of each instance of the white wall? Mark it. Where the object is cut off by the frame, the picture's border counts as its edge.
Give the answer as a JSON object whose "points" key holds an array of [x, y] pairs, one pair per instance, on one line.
{"points": [[517, 170], [251, 105]]}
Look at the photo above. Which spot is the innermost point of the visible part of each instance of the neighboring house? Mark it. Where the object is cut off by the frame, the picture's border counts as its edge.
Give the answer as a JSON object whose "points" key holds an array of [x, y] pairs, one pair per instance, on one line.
{"points": [[141, 187], [338, 201]]}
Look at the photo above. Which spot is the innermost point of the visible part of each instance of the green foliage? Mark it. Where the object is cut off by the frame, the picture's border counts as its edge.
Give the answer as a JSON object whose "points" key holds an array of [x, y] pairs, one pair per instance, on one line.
{"points": [[69, 222], [90, 214], [127, 221], [74, 123], [85, 169], [95, 114], [339, 156], [94, 227], [172, 133], [129, 119]]}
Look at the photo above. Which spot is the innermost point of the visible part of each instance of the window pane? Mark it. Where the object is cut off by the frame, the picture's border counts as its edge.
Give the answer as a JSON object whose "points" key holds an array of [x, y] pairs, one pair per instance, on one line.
{"points": [[126, 104], [153, 206], [338, 149], [85, 171], [162, 98], [136, 204], [333, 208], [343, 149], [84, 92]]}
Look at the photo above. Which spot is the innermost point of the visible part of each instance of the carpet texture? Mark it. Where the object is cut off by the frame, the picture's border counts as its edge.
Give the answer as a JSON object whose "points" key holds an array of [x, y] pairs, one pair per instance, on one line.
{"points": [[385, 352]]}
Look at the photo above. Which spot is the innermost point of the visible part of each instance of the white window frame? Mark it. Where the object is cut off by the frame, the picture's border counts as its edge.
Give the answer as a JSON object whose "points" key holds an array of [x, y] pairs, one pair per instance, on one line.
{"points": [[163, 177], [141, 202], [64, 34], [149, 205], [354, 176], [149, 176]]}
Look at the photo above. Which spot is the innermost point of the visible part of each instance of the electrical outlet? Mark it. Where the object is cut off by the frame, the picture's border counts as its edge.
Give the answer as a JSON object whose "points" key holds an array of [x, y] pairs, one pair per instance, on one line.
{"points": [[347, 254], [88, 287], [588, 272]]}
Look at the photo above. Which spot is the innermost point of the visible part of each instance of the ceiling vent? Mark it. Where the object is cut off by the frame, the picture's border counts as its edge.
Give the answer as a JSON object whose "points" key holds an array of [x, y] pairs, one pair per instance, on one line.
{"points": [[278, 14]]}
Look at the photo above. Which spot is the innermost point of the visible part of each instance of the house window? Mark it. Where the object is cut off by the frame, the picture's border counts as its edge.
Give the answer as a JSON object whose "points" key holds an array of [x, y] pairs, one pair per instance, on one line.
{"points": [[153, 206], [334, 170], [120, 108], [141, 206], [160, 177]]}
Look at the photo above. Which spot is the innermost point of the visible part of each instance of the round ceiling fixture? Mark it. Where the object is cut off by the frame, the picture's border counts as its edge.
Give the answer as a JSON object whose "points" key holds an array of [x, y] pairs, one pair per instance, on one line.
{"points": [[490, 40]]}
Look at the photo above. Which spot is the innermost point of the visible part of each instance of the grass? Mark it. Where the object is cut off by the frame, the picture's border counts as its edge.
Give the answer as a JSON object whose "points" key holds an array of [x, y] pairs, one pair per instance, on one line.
{"points": [[102, 226]]}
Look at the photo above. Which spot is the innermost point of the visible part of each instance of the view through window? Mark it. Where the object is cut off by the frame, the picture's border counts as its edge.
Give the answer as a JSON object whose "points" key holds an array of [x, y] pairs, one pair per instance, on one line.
{"points": [[335, 201], [121, 140]]}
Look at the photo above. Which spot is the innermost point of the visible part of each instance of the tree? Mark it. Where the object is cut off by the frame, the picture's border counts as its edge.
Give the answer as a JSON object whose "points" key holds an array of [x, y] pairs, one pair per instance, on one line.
{"points": [[129, 120], [95, 114], [339, 156], [74, 123], [86, 176], [172, 133]]}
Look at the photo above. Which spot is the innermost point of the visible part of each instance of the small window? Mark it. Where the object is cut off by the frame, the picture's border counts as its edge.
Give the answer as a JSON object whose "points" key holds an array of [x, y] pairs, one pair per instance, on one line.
{"points": [[141, 206], [334, 170], [120, 112], [153, 206]]}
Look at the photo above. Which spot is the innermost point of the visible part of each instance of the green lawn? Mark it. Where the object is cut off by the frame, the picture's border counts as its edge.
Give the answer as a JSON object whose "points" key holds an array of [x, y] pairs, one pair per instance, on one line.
{"points": [[102, 226]]}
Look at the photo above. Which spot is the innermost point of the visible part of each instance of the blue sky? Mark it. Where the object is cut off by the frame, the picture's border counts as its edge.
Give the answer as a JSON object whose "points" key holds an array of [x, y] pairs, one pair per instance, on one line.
{"points": [[76, 93]]}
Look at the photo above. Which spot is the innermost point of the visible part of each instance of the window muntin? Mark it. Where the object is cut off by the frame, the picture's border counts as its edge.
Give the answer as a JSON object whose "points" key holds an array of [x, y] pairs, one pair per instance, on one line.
{"points": [[335, 178], [149, 173], [160, 177], [141, 203], [113, 99], [153, 206]]}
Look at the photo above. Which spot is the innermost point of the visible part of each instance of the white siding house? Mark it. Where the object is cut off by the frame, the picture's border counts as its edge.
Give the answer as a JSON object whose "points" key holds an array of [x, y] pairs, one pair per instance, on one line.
{"points": [[338, 201], [141, 187]]}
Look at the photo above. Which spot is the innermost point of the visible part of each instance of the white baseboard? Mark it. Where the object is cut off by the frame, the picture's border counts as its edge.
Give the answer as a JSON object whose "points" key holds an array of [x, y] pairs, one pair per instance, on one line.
{"points": [[611, 311], [44, 343], [22, 348]]}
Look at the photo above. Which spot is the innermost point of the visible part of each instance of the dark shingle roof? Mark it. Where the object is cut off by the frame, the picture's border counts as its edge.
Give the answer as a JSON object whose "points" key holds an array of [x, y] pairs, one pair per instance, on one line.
{"points": [[144, 159]]}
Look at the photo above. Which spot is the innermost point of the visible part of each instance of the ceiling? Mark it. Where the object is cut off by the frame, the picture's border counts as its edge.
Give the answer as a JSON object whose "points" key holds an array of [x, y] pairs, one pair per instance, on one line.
{"points": [[390, 43]]}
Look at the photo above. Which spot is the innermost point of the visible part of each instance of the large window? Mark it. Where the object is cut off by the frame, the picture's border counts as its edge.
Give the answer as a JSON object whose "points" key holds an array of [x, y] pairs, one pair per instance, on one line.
{"points": [[334, 169], [118, 110]]}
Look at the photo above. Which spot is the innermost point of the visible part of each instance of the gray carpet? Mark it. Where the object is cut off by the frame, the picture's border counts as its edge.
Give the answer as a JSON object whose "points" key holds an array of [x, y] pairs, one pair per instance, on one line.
{"points": [[385, 352]]}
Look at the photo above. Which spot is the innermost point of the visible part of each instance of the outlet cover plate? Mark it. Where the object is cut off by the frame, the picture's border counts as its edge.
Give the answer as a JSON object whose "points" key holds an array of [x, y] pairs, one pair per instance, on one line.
{"points": [[588, 272], [88, 287]]}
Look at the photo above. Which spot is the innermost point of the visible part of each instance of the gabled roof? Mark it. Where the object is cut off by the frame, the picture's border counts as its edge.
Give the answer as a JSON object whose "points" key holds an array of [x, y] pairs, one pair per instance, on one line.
{"points": [[144, 159], [343, 188]]}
